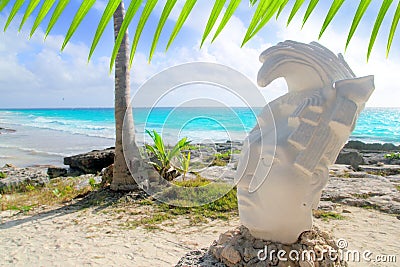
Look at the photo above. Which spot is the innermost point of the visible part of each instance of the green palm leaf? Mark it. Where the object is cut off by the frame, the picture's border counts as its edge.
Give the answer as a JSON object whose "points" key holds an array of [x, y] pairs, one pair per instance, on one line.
{"points": [[62, 4], [216, 11], [80, 14], [105, 19], [310, 8], [393, 29], [150, 4], [44, 10], [164, 16], [331, 13], [130, 13], [17, 6], [253, 2], [268, 10], [281, 8], [295, 8], [187, 8], [32, 5], [3, 4], [381, 15], [228, 14], [359, 14], [258, 15]]}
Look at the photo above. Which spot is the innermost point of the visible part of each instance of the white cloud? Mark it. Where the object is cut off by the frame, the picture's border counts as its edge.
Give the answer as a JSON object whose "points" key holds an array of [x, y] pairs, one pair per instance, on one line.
{"points": [[34, 73]]}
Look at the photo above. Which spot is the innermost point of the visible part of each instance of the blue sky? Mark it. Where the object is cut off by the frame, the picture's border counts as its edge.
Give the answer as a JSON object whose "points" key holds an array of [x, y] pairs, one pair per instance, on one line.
{"points": [[34, 73]]}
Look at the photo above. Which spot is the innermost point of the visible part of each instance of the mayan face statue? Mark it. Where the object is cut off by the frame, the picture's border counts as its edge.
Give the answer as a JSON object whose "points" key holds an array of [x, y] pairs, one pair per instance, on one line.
{"points": [[285, 159]]}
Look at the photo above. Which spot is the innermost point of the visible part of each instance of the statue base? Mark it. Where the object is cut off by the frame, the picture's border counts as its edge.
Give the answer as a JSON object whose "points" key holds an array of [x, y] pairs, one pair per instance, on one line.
{"points": [[239, 248]]}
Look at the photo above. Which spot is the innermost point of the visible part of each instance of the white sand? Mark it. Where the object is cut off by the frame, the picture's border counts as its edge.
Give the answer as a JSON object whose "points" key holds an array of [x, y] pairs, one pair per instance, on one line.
{"points": [[90, 238]]}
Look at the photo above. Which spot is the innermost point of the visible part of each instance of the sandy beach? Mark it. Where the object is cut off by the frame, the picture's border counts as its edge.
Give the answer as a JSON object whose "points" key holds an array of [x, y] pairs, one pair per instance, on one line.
{"points": [[63, 236]]}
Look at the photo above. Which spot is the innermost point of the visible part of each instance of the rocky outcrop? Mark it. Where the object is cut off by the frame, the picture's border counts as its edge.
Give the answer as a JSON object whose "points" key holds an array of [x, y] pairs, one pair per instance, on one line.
{"points": [[361, 146], [17, 179], [92, 162], [5, 130], [350, 157], [54, 172], [363, 189], [238, 248]]}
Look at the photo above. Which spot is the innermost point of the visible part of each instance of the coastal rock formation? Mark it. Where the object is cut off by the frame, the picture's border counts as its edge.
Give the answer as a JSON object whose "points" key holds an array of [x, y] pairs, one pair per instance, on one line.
{"points": [[54, 172], [92, 162], [363, 189], [361, 146], [350, 157], [239, 248], [5, 130], [286, 156], [17, 178]]}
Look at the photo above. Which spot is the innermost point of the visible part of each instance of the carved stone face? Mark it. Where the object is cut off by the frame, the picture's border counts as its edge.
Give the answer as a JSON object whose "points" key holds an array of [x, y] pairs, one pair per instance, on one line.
{"points": [[280, 181]]}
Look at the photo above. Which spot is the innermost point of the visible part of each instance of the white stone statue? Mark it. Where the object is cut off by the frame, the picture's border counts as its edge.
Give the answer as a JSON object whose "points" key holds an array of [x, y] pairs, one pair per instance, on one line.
{"points": [[282, 177]]}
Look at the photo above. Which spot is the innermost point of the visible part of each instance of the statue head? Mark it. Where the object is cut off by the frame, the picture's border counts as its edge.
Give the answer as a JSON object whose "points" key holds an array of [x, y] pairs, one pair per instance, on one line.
{"points": [[284, 162]]}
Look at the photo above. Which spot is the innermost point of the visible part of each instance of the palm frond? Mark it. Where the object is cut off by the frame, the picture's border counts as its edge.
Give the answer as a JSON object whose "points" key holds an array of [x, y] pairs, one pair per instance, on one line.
{"points": [[105, 19], [331, 13], [359, 14], [219, 4], [32, 5], [310, 9], [62, 4], [150, 4], [233, 5], [266, 9], [164, 16], [281, 8], [130, 13], [295, 8], [3, 4], [44, 10], [80, 14], [393, 29], [381, 15], [17, 6], [186, 10]]}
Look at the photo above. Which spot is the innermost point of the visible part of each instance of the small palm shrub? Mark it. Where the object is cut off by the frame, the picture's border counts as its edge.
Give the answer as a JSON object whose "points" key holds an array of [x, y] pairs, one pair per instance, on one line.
{"points": [[164, 156]]}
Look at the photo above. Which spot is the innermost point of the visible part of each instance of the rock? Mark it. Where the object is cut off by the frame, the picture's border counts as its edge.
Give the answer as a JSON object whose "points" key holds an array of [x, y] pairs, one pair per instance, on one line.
{"points": [[361, 146], [92, 162], [350, 157], [18, 178], [368, 191], [230, 254], [227, 254], [6, 131], [107, 175], [54, 172]]}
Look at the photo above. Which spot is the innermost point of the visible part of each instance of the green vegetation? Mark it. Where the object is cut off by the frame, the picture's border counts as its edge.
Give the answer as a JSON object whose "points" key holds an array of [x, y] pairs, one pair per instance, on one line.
{"points": [[327, 215], [2, 175], [164, 155], [398, 187], [393, 155], [223, 208], [363, 195], [58, 191], [217, 20], [184, 164]]}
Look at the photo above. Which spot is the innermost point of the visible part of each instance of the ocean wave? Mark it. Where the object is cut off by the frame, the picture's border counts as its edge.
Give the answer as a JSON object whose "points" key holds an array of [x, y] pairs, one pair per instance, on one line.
{"points": [[32, 151]]}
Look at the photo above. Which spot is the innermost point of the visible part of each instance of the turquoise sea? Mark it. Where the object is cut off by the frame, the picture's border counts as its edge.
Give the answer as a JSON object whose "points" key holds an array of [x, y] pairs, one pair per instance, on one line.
{"points": [[45, 136]]}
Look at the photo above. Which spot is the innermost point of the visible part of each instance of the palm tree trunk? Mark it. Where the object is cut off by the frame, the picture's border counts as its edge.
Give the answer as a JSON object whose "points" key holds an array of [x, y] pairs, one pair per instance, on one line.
{"points": [[122, 178]]}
